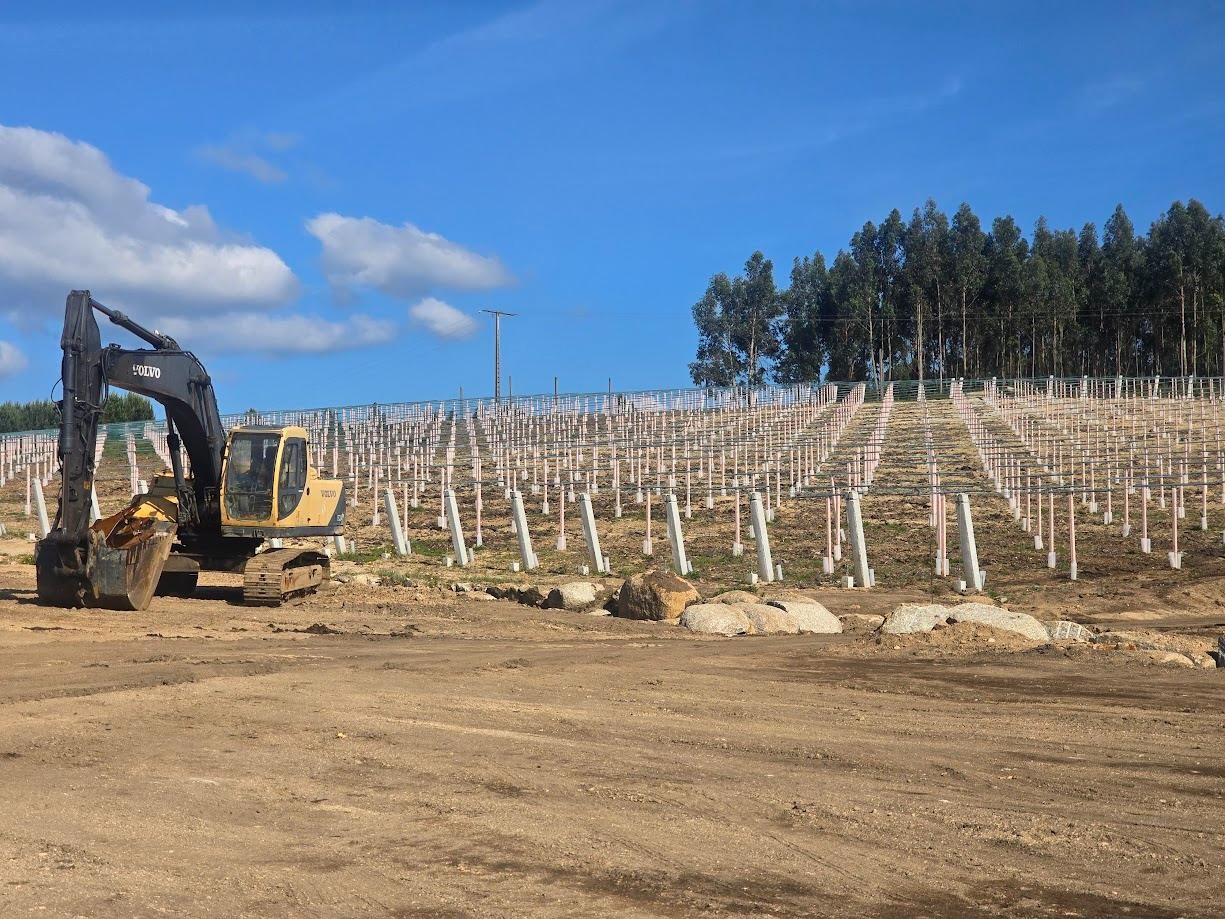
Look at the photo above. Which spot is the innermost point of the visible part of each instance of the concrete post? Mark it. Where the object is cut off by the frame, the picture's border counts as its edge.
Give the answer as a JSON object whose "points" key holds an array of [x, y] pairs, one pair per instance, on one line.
{"points": [[40, 504], [526, 555], [677, 539], [398, 540], [969, 548], [757, 519], [457, 531], [95, 514], [338, 543], [859, 547], [590, 535]]}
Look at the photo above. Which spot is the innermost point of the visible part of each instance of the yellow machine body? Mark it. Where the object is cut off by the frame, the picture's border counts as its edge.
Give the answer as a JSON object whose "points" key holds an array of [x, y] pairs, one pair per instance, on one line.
{"points": [[269, 487]]}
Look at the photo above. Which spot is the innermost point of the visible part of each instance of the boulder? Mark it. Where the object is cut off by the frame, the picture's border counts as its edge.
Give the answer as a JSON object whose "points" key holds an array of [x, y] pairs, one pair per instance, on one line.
{"points": [[530, 596], [810, 616], [365, 580], [998, 618], [736, 596], [527, 594], [769, 620], [576, 595], [1171, 658], [655, 595], [1203, 660], [1067, 630], [716, 619], [915, 617]]}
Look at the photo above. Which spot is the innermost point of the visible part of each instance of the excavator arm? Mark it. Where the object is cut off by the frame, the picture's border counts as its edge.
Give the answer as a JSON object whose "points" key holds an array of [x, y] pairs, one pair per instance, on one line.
{"points": [[77, 565]]}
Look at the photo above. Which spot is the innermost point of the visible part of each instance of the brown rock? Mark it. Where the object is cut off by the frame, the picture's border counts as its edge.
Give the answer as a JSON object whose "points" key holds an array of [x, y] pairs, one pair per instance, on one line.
{"points": [[655, 595]]}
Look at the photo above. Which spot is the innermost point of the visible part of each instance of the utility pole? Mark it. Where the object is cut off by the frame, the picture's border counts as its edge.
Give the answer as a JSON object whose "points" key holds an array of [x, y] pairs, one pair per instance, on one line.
{"points": [[497, 351]]}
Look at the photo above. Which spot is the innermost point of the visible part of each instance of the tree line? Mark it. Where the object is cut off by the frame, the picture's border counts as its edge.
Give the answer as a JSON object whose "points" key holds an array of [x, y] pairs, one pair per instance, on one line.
{"points": [[936, 298], [42, 413]]}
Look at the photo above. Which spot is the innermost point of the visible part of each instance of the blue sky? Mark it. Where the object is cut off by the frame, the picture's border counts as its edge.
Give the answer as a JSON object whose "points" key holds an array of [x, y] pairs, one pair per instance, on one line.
{"points": [[319, 198]]}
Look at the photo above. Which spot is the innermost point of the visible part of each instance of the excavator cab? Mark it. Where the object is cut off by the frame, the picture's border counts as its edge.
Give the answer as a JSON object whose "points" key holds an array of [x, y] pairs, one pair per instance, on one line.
{"points": [[269, 487], [250, 473]]}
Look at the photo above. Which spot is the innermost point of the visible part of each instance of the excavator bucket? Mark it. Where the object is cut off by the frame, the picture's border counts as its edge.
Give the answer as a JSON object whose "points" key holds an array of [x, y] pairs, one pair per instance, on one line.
{"points": [[118, 566], [125, 567]]}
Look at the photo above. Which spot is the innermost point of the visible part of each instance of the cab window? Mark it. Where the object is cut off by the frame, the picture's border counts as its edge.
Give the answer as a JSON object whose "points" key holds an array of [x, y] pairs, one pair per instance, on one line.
{"points": [[293, 476], [249, 475]]}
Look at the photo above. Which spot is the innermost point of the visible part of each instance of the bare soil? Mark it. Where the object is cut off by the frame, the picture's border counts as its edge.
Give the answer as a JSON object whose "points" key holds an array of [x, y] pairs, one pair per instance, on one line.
{"points": [[415, 752]]}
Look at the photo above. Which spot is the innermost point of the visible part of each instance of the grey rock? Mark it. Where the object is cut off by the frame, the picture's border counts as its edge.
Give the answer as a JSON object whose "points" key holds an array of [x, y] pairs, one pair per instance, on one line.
{"points": [[1067, 630], [573, 596], [716, 619], [769, 620], [997, 618], [914, 617], [810, 616], [737, 597]]}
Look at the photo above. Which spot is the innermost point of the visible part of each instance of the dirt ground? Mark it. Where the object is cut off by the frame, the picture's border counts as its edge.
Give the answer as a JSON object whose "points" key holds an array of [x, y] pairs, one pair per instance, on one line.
{"points": [[414, 752]]}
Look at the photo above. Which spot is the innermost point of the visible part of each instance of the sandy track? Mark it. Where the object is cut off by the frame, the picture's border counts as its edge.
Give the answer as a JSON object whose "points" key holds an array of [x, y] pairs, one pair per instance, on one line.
{"points": [[495, 760]]}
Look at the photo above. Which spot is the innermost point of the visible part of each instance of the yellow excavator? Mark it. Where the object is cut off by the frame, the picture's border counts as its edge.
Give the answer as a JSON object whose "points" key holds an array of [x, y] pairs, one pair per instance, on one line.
{"points": [[240, 489]]}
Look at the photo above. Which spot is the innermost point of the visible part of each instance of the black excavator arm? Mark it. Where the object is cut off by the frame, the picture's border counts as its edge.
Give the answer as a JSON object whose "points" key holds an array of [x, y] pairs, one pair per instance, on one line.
{"points": [[166, 373]]}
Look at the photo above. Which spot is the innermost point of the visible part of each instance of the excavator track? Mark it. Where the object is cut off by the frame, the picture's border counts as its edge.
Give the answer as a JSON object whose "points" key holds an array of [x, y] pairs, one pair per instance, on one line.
{"points": [[270, 578]]}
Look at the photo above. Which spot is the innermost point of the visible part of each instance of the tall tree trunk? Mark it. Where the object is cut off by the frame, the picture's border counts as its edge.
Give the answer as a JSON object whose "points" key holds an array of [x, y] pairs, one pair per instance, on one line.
{"points": [[940, 330], [964, 342], [1195, 329], [1182, 313]]}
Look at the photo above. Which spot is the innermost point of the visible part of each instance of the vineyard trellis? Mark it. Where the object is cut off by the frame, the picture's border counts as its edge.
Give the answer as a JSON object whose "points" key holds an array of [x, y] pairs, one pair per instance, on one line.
{"points": [[807, 473]]}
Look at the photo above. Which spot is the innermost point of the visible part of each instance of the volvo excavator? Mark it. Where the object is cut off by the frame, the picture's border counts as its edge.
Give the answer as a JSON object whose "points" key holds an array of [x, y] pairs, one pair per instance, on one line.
{"points": [[239, 489]]}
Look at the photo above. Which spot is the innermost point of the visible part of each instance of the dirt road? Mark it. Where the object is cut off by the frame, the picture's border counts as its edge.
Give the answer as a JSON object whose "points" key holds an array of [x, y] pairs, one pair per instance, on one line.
{"points": [[463, 757]]}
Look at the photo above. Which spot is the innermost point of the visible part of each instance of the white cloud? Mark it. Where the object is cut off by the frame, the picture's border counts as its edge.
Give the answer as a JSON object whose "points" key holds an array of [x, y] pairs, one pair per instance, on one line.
{"points": [[443, 319], [242, 154], [282, 333], [68, 219], [12, 361], [280, 141], [401, 261], [251, 164]]}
